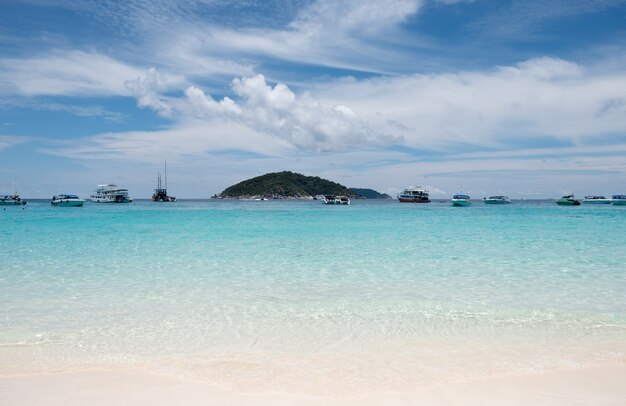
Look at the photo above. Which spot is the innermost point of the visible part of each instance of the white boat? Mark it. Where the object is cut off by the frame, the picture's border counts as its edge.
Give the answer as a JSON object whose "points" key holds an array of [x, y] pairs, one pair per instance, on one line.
{"points": [[12, 200], [110, 194], [67, 201], [619, 200], [331, 199], [497, 200], [596, 200], [414, 194], [460, 200]]}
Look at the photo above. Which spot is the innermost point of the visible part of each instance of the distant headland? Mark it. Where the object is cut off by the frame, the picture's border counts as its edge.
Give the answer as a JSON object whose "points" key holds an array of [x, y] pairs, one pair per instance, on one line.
{"points": [[290, 185]]}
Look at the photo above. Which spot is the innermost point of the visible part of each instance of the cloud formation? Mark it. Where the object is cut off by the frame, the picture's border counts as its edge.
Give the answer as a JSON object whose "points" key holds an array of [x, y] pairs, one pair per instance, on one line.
{"points": [[276, 111], [7, 141], [541, 98], [146, 90], [505, 107], [65, 73]]}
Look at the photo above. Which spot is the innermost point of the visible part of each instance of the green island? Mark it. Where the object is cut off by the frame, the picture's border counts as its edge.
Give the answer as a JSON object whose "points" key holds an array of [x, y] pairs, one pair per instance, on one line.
{"points": [[284, 185], [369, 193]]}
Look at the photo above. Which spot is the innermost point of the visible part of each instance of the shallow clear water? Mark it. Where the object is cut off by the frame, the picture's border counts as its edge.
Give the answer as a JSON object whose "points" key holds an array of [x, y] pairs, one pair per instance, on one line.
{"points": [[298, 296]]}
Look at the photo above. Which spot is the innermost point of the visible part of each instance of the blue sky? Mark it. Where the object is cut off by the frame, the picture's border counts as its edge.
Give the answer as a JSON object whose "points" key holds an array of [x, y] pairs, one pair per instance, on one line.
{"points": [[525, 98]]}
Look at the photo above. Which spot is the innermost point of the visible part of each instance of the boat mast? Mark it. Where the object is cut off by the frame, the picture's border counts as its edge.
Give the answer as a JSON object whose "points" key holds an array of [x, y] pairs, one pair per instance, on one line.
{"points": [[165, 175]]}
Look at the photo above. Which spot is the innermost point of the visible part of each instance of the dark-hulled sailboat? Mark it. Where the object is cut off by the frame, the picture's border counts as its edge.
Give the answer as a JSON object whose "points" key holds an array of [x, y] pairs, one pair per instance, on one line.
{"points": [[160, 193]]}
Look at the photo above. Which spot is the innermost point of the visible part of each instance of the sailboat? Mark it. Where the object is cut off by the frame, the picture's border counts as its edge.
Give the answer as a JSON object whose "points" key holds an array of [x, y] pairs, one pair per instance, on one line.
{"points": [[160, 193]]}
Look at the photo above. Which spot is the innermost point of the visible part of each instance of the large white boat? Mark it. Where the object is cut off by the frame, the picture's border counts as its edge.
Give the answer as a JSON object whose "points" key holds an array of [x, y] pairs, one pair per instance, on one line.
{"points": [[110, 194], [596, 200], [497, 200], [619, 200], [331, 199], [12, 200], [414, 194], [67, 201], [460, 200]]}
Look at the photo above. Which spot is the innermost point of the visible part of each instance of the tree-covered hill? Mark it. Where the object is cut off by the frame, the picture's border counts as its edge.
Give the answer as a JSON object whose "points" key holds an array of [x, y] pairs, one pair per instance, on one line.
{"points": [[284, 185], [369, 193]]}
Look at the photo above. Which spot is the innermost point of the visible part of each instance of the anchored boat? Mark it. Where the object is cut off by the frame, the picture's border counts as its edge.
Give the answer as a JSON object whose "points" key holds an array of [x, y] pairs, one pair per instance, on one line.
{"points": [[619, 200], [66, 200], [331, 199], [12, 200], [160, 193], [596, 200], [497, 200], [110, 194], [414, 194], [460, 200], [568, 200]]}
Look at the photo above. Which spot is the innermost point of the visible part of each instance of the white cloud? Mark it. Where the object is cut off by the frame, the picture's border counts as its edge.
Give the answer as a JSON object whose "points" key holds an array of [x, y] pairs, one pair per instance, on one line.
{"points": [[7, 141], [301, 120], [350, 34], [81, 111], [276, 111], [91, 110], [186, 141], [498, 108], [203, 105], [542, 97], [65, 73], [146, 90], [326, 18]]}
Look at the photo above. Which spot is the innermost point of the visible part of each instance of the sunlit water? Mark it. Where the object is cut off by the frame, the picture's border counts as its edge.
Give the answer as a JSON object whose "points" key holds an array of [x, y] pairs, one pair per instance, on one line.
{"points": [[302, 297]]}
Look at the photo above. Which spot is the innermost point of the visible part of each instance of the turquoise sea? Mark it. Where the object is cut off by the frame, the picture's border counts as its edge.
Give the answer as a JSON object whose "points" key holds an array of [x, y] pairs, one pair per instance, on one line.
{"points": [[301, 297]]}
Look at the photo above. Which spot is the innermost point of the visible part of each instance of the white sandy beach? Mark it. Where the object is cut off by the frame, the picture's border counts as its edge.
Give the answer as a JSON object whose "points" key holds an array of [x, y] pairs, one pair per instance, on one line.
{"points": [[588, 386]]}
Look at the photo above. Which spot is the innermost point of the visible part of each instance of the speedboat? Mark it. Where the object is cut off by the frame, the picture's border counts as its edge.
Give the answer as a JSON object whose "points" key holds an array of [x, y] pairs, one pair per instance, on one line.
{"points": [[619, 200], [12, 200], [414, 194], [568, 200], [460, 200], [67, 201], [596, 200], [497, 200], [110, 194], [331, 199]]}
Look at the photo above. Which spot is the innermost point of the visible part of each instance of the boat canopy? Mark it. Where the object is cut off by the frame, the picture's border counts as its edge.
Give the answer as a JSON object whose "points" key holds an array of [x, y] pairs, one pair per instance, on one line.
{"points": [[619, 196], [460, 197]]}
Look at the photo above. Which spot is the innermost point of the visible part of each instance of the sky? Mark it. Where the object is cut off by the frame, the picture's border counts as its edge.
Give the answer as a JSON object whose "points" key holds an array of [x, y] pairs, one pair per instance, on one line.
{"points": [[525, 98]]}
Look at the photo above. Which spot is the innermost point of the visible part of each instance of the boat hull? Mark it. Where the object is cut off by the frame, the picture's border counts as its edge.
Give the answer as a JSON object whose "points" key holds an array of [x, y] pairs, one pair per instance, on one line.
{"points": [[619, 202], [96, 200], [568, 203], [497, 201], [71, 203], [597, 201], [460, 203], [409, 200]]}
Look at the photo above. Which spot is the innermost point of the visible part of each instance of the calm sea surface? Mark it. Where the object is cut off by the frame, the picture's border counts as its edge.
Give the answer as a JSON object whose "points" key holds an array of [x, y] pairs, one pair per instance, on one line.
{"points": [[298, 296]]}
